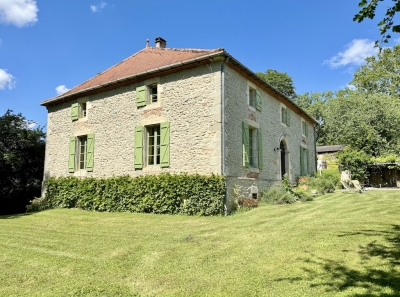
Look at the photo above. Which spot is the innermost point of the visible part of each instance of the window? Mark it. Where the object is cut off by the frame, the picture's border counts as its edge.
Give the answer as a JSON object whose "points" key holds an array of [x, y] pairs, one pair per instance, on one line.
{"points": [[254, 98], [152, 94], [82, 110], [304, 128], [152, 145], [78, 111], [81, 153], [304, 161], [285, 116], [146, 95], [252, 146]]}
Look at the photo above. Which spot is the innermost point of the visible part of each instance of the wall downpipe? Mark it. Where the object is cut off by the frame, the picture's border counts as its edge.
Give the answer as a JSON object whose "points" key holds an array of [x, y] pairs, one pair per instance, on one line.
{"points": [[223, 130], [315, 149]]}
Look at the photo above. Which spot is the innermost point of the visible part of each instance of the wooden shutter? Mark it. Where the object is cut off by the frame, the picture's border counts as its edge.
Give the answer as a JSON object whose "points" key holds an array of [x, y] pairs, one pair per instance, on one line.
{"points": [[287, 117], [138, 147], [259, 146], [301, 161], [71, 159], [258, 100], [141, 96], [90, 152], [75, 111], [306, 128], [245, 144], [308, 161], [164, 144]]}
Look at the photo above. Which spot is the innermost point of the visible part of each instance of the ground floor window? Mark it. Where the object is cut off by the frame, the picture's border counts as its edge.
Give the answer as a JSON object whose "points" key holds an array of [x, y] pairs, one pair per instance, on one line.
{"points": [[81, 153], [153, 145]]}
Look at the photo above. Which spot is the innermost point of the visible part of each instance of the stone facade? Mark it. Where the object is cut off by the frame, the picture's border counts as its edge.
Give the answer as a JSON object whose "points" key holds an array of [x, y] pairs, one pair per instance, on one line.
{"points": [[269, 121], [190, 100]]}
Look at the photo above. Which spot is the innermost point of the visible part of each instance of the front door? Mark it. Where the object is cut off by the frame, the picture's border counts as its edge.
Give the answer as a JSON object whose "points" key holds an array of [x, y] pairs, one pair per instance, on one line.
{"points": [[283, 159]]}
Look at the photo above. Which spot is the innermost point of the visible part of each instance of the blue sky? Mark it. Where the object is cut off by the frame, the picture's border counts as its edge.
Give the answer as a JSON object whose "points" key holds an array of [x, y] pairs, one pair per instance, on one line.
{"points": [[48, 47]]}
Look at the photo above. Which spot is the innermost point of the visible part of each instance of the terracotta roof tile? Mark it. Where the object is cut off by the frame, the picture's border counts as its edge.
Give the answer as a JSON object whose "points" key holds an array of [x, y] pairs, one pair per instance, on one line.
{"points": [[144, 60]]}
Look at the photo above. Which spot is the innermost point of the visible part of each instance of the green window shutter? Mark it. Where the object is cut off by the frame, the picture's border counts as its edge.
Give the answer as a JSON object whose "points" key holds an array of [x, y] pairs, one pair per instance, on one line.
{"points": [[306, 128], [90, 152], [287, 117], [71, 159], [164, 144], [138, 147], [258, 100], [308, 162], [141, 96], [245, 144], [260, 154], [75, 111], [301, 161]]}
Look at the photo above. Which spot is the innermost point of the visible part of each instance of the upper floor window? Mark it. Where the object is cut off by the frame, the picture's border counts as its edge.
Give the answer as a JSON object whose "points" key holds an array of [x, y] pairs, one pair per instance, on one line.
{"points": [[146, 95], [285, 116], [78, 111], [304, 128], [254, 98]]}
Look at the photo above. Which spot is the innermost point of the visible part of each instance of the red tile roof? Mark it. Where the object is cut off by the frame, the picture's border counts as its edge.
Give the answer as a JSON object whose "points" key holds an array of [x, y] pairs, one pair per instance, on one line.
{"points": [[147, 59]]}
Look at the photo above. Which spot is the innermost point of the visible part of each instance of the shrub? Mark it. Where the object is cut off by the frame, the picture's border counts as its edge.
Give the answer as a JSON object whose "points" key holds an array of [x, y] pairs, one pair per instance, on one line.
{"points": [[163, 193], [277, 194], [355, 161]]}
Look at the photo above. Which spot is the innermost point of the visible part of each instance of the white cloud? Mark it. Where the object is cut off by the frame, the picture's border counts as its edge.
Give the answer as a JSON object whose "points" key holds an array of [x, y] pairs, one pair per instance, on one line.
{"points": [[62, 89], [18, 12], [354, 54], [6, 80], [97, 8]]}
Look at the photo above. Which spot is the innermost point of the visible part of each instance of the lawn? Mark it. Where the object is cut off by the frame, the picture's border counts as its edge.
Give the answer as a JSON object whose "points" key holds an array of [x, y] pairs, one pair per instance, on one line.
{"points": [[337, 245]]}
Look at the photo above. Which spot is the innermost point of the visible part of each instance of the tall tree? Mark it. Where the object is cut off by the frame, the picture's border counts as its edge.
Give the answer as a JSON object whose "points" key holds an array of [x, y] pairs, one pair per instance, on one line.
{"points": [[368, 9], [21, 162], [369, 123], [280, 81], [380, 74]]}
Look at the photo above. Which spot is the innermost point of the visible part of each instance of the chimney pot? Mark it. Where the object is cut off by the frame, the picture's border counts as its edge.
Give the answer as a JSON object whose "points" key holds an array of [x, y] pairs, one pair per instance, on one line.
{"points": [[161, 43]]}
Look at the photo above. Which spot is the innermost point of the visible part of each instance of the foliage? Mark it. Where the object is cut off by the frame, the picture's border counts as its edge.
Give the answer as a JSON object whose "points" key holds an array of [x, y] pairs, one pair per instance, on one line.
{"points": [[380, 74], [21, 162], [366, 122], [367, 10], [280, 81], [164, 193], [354, 160], [284, 193], [325, 183]]}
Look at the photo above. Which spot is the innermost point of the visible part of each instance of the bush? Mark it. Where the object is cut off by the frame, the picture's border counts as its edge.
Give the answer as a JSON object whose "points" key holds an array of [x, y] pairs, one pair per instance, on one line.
{"points": [[277, 194], [322, 185], [355, 161], [163, 193]]}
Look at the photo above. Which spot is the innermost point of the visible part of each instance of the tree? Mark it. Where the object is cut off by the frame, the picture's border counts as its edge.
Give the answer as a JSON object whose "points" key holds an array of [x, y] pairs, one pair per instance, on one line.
{"points": [[368, 123], [368, 9], [280, 81], [380, 74], [21, 162]]}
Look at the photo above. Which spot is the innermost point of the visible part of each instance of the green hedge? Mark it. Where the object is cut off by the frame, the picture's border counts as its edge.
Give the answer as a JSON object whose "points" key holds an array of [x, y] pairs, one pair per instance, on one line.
{"points": [[163, 193]]}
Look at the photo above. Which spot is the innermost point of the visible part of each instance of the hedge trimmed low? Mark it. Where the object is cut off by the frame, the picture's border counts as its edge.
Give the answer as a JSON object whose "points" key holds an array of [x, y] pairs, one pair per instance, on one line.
{"points": [[164, 193]]}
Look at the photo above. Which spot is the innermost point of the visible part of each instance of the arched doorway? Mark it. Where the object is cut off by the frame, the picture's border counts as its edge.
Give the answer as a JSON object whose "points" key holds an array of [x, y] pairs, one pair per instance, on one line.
{"points": [[282, 147]]}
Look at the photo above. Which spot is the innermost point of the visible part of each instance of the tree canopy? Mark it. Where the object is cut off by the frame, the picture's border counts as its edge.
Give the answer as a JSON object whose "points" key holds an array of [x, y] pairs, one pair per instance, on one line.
{"points": [[380, 74], [21, 162], [280, 81], [368, 9]]}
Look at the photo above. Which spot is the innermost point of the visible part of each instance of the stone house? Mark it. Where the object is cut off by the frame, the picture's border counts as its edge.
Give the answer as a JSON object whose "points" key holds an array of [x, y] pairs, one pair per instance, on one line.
{"points": [[179, 110]]}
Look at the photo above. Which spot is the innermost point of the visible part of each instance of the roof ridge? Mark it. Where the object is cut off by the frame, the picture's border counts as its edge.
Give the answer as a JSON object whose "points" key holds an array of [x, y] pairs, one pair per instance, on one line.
{"points": [[186, 49]]}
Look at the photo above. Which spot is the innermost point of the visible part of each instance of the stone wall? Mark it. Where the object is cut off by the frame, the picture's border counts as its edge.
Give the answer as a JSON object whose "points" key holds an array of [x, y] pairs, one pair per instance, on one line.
{"points": [[273, 132], [190, 100]]}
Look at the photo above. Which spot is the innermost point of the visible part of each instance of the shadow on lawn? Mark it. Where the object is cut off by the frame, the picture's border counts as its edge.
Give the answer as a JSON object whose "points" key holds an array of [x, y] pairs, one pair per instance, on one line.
{"points": [[380, 275], [14, 216]]}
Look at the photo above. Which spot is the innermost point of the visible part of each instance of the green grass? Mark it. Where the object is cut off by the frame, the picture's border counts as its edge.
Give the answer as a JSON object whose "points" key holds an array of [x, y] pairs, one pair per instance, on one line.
{"points": [[338, 245]]}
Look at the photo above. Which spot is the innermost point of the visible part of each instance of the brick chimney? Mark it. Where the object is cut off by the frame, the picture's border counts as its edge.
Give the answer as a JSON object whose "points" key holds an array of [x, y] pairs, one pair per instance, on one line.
{"points": [[162, 43]]}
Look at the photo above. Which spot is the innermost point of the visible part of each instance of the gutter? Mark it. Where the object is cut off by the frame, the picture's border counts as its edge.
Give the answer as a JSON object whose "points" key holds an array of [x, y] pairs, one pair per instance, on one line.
{"points": [[223, 129]]}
